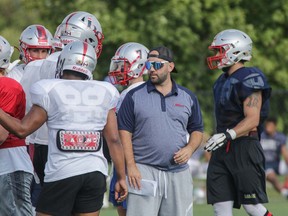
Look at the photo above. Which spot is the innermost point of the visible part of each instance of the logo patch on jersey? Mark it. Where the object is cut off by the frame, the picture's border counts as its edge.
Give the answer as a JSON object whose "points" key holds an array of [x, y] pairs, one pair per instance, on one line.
{"points": [[250, 196], [84, 141], [178, 105]]}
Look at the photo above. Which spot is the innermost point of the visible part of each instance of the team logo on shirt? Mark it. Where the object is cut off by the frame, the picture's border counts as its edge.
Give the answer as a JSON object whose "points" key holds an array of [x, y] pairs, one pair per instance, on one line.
{"points": [[179, 105], [79, 140]]}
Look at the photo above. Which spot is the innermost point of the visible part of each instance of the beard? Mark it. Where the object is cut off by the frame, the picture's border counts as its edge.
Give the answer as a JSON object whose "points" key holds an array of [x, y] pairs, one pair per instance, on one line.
{"points": [[157, 79]]}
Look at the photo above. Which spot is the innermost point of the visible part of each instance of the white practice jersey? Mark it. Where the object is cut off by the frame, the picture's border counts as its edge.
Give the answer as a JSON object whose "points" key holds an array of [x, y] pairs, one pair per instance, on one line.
{"points": [[74, 105], [15, 159], [17, 72], [48, 67], [124, 92], [35, 71]]}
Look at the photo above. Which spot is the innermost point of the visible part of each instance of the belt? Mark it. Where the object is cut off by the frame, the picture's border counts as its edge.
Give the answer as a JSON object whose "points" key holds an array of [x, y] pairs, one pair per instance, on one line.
{"points": [[250, 134], [253, 134]]}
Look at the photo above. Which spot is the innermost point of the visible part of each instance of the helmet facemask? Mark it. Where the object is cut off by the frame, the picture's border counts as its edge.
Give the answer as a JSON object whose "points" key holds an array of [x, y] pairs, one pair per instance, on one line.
{"points": [[220, 59], [128, 63], [119, 71]]}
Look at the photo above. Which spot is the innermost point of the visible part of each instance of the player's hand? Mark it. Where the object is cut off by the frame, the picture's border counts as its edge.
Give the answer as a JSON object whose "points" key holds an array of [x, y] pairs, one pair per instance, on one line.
{"points": [[121, 190], [134, 176], [182, 156], [218, 140]]}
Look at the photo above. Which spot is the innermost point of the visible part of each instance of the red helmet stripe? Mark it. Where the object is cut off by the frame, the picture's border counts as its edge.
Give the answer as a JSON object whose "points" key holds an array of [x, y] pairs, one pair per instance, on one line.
{"points": [[67, 21], [42, 36], [85, 48]]}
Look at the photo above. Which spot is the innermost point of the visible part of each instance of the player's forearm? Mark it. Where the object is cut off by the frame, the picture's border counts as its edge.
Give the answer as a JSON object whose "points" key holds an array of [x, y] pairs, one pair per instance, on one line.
{"points": [[3, 134], [126, 139], [195, 140], [246, 125], [117, 155], [12, 124], [252, 109]]}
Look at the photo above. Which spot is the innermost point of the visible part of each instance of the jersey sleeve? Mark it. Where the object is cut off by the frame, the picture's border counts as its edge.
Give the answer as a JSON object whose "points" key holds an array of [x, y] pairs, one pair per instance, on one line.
{"points": [[115, 97], [254, 82], [12, 97], [195, 122], [48, 68], [283, 139], [125, 116], [39, 96], [31, 76]]}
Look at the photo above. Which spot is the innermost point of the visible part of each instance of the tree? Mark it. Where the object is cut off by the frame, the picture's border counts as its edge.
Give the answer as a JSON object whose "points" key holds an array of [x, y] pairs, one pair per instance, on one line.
{"points": [[185, 26]]}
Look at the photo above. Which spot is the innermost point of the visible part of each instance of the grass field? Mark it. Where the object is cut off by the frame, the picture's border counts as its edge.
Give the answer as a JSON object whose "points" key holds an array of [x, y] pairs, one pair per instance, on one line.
{"points": [[277, 205]]}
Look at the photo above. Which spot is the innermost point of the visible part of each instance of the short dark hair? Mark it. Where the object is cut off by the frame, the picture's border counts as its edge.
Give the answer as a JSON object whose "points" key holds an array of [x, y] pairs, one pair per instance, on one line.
{"points": [[77, 74], [272, 119]]}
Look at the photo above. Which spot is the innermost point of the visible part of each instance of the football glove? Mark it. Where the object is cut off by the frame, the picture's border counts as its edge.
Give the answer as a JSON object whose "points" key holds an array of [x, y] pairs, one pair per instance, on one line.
{"points": [[218, 140]]}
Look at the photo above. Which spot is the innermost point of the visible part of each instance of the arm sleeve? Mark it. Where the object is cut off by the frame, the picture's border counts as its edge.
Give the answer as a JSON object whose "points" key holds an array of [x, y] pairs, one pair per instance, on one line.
{"points": [[115, 98], [195, 122], [125, 116], [39, 96], [12, 98], [253, 83]]}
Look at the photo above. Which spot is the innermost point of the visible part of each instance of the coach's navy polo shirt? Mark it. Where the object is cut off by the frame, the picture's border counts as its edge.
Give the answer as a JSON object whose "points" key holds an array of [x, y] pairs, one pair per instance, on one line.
{"points": [[159, 124]]}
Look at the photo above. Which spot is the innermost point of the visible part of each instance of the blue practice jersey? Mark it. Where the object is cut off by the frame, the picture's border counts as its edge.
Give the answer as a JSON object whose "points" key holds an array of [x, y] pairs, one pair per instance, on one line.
{"points": [[230, 93], [272, 146]]}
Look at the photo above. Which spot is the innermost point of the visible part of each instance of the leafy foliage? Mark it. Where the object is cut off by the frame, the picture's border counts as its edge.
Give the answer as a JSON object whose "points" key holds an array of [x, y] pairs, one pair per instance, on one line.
{"points": [[185, 26]]}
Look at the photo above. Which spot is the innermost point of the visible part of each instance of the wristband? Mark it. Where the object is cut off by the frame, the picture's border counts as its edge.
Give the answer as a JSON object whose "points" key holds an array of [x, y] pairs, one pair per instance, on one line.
{"points": [[231, 134]]}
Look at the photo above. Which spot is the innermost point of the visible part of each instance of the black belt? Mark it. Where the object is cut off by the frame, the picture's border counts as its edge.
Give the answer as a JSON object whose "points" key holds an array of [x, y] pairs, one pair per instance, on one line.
{"points": [[253, 134]]}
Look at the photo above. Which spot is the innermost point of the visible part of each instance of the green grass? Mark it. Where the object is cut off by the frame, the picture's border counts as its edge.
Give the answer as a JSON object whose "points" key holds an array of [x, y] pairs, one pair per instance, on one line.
{"points": [[277, 205]]}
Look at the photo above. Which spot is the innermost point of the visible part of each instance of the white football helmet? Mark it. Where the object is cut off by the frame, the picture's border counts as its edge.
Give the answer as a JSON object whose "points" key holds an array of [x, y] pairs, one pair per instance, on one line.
{"points": [[77, 56], [128, 63], [57, 44], [34, 36], [231, 46], [82, 26], [6, 52]]}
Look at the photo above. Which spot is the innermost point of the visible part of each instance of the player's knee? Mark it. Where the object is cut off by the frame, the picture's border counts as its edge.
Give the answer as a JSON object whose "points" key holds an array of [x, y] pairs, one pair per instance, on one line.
{"points": [[223, 208]]}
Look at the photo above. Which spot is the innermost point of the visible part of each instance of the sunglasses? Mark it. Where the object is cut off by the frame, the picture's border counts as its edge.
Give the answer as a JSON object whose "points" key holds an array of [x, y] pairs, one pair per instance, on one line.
{"points": [[156, 65]]}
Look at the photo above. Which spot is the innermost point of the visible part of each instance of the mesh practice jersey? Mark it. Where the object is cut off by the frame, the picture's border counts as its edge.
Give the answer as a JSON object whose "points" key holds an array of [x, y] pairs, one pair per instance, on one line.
{"points": [[74, 105]]}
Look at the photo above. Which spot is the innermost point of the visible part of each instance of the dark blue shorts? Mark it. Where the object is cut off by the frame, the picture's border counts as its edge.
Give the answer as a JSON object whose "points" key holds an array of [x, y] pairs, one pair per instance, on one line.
{"points": [[237, 175], [274, 165]]}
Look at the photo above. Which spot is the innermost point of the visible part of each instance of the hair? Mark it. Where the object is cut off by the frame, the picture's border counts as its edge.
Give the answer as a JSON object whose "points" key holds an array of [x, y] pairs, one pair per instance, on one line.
{"points": [[77, 74], [2, 71], [272, 119]]}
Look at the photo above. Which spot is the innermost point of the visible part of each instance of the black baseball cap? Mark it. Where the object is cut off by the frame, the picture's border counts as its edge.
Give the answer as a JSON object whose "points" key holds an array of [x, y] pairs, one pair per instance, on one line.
{"points": [[164, 53]]}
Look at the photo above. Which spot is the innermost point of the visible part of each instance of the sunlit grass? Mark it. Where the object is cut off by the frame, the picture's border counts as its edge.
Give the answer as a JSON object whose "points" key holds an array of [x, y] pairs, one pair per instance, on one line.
{"points": [[278, 205]]}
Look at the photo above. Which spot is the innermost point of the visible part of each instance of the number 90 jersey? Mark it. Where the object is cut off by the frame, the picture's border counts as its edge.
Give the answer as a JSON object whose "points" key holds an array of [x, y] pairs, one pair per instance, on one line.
{"points": [[74, 105]]}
